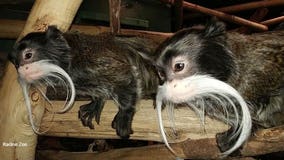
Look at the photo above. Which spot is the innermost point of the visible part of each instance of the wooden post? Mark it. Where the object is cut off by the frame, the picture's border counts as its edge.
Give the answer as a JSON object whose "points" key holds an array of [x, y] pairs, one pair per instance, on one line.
{"points": [[114, 15], [17, 139]]}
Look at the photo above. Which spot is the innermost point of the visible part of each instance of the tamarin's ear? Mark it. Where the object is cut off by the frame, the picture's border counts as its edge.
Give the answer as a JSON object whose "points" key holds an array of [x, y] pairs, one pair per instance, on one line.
{"points": [[214, 28], [52, 32]]}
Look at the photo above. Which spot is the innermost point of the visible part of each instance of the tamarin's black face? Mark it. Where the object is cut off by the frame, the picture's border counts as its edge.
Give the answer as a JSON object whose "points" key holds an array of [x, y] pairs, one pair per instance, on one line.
{"points": [[40, 46], [196, 51]]}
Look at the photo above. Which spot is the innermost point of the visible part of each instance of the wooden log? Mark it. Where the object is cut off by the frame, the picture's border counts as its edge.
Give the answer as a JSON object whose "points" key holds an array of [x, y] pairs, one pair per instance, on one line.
{"points": [[271, 140], [145, 124], [264, 141], [12, 29], [16, 136], [123, 154], [140, 153], [50, 12], [114, 155], [190, 140], [114, 15]]}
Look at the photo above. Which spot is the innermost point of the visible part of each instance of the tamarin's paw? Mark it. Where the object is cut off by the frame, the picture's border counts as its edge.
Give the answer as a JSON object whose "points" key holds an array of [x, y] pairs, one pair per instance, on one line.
{"points": [[87, 112], [86, 116], [122, 123]]}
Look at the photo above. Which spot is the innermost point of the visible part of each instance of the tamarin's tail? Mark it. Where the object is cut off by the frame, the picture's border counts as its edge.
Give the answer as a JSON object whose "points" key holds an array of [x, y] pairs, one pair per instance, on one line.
{"points": [[142, 46], [141, 55]]}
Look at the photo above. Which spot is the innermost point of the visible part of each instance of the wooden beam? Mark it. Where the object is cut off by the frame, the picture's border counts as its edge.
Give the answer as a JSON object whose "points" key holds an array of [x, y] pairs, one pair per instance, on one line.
{"points": [[250, 5], [12, 29], [156, 36], [273, 21], [258, 16], [15, 128], [242, 7], [224, 16]]}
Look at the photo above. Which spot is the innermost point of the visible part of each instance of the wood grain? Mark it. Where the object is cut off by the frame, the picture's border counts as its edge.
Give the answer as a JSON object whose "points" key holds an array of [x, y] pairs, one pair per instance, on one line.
{"points": [[145, 125]]}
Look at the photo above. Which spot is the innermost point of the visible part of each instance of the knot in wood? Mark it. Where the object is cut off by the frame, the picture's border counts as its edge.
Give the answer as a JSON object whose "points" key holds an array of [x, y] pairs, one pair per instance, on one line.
{"points": [[35, 96]]}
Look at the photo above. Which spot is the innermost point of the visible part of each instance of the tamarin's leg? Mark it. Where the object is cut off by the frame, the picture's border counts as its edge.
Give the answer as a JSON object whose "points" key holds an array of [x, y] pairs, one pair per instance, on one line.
{"points": [[88, 111], [126, 97]]}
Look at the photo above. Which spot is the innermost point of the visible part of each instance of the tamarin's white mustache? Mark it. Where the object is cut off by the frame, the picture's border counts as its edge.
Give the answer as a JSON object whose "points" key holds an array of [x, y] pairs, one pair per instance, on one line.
{"points": [[198, 87], [47, 69]]}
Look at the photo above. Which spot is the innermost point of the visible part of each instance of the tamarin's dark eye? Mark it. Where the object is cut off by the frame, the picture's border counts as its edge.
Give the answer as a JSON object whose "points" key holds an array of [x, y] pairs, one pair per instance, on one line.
{"points": [[178, 67], [28, 56]]}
